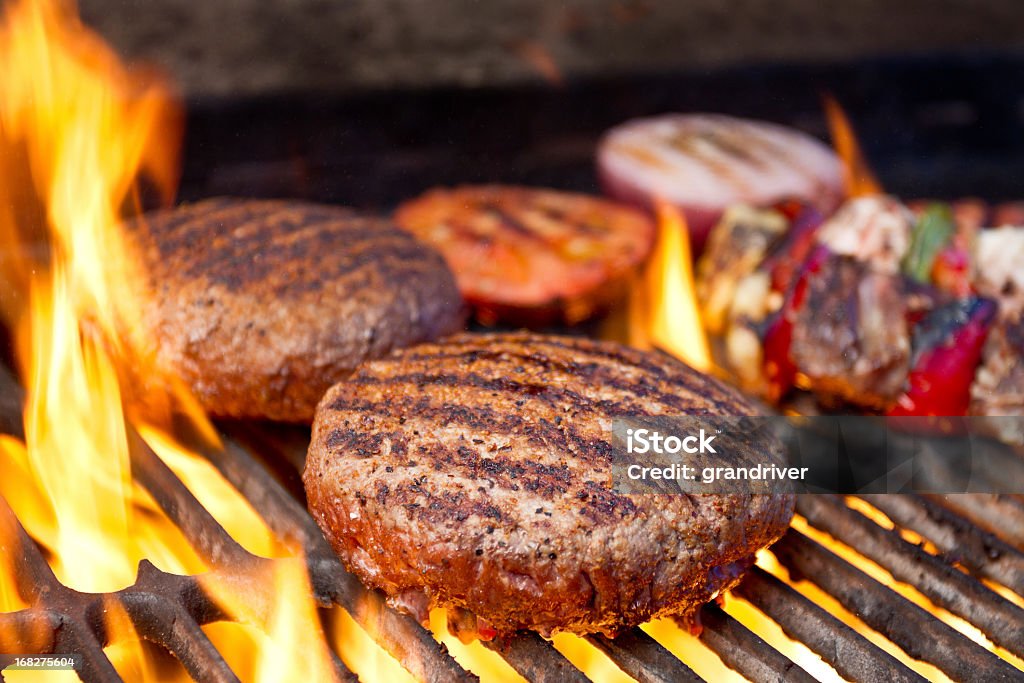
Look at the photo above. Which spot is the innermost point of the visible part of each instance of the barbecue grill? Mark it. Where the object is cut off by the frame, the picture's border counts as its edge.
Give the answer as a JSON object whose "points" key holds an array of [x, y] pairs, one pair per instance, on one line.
{"points": [[950, 561], [878, 587]]}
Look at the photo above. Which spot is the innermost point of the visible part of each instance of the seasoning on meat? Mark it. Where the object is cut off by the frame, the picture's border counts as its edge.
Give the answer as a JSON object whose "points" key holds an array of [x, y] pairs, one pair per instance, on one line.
{"points": [[260, 306], [475, 473]]}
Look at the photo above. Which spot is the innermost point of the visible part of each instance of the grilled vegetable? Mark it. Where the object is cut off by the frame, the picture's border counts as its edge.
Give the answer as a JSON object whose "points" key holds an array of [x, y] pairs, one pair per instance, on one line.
{"points": [[786, 261], [705, 163], [951, 271], [780, 371], [947, 348], [932, 232], [735, 248], [531, 256]]}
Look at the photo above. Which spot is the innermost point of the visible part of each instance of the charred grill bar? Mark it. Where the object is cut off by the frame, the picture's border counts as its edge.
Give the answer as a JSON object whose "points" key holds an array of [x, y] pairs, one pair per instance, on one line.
{"points": [[981, 552], [168, 610]]}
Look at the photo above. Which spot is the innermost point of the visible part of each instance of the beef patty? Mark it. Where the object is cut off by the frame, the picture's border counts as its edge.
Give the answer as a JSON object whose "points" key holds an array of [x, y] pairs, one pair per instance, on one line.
{"points": [[260, 306], [475, 474]]}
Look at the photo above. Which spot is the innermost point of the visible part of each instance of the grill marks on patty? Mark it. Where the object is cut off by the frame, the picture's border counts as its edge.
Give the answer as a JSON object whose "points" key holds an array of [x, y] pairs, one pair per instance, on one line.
{"points": [[261, 305], [634, 377], [478, 471], [554, 397], [531, 256], [266, 244]]}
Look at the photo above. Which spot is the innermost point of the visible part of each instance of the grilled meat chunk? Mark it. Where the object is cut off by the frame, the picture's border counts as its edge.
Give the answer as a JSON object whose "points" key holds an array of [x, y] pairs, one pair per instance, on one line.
{"points": [[875, 230], [475, 474], [532, 257], [260, 306], [998, 389], [998, 271], [850, 337], [999, 386]]}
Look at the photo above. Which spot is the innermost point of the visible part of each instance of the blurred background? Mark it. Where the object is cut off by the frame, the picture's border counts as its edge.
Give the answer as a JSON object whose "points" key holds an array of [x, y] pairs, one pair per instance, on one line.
{"points": [[368, 101], [234, 47]]}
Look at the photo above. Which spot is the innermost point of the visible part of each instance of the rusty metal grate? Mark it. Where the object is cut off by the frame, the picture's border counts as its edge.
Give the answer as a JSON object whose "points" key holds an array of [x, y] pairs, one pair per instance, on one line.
{"points": [[168, 610]]}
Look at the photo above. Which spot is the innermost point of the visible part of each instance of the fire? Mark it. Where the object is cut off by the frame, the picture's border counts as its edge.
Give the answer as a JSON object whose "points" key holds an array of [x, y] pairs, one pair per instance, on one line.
{"points": [[857, 176], [668, 316], [78, 132], [540, 59], [283, 638]]}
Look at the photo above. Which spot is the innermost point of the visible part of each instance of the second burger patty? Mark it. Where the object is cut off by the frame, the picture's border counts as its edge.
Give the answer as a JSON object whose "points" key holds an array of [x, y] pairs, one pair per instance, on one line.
{"points": [[261, 305], [475, 474]]}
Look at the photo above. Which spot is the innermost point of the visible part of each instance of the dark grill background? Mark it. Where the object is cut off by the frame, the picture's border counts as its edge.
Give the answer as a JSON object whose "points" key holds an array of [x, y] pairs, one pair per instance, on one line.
{"points": [[939, 126]]}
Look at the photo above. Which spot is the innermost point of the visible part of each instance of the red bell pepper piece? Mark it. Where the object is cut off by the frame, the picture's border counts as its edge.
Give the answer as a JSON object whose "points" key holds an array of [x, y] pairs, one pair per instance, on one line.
{"points": [[779, 369], [947, 350], [787, 260]]}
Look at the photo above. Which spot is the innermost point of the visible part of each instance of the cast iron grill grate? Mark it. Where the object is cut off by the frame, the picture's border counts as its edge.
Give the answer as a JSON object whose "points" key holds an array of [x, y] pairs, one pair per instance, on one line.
{"points": [[168, 609]]}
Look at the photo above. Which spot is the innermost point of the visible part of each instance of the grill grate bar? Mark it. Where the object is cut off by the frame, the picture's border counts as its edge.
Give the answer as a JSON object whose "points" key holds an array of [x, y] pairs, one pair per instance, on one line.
{"points": [[845, 650], [1000, 515], [961, 541], [943, 584], [644, 658], [74, 619], [169, 610], [167, 622], [399, 634], [744, 651], [213, 543], [914, 630], [536, 659], [276, 505]]}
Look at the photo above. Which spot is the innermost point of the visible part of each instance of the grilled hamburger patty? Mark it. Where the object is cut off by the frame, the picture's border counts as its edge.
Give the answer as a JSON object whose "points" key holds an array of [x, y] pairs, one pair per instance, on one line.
{"points": [[260, 306], [476, 474], [527, 256]]}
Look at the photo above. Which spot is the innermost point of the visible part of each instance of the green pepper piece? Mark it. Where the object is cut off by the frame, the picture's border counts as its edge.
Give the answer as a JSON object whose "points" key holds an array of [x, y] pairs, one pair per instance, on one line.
{"points": [[931, 233]]}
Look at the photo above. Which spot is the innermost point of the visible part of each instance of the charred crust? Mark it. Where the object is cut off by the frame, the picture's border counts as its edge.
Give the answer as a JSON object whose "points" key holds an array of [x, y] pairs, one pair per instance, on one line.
{"points": [[508, 511], [262, 305]]}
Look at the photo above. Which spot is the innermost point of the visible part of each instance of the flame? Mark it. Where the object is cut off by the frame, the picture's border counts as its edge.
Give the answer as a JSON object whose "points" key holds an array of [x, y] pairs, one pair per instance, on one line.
{"points": [[670, 319], [594, 664], [486, 664], [126, 651], [284, 638], [361, 654], [78, 132], [540, 59], [858, 179]]}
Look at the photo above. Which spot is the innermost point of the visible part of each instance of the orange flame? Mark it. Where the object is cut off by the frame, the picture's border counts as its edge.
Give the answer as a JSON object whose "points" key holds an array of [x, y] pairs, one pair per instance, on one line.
{"points": [[858, 179], [78, 130], [671, 318], [275, 639], [540, 59]]}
